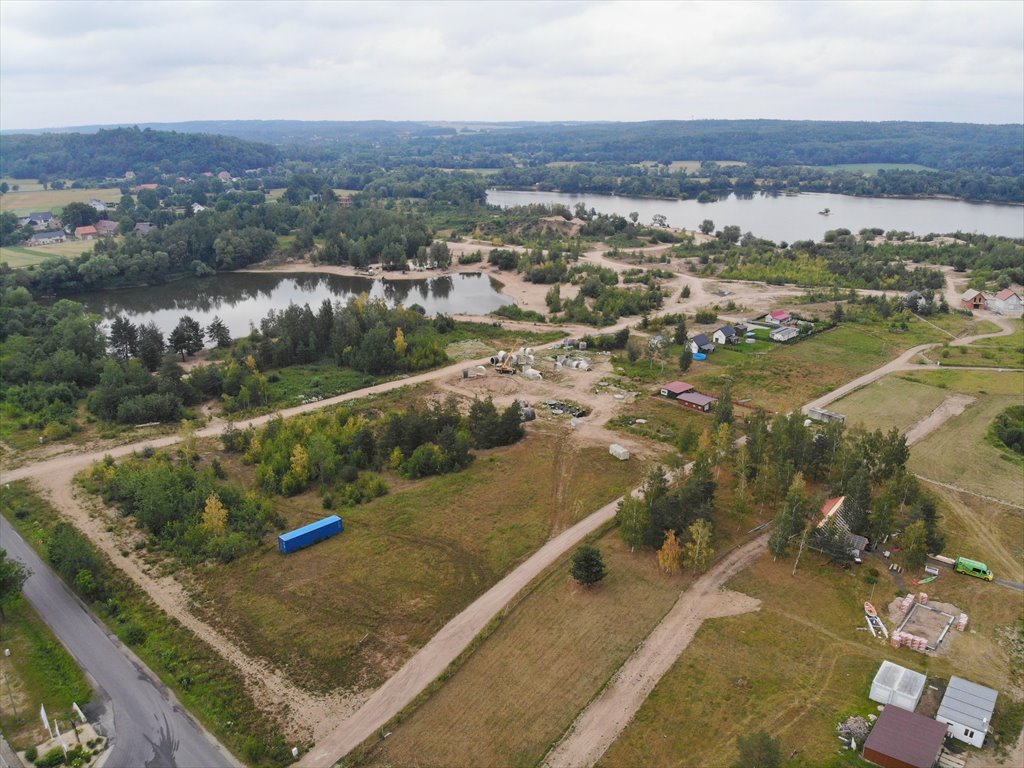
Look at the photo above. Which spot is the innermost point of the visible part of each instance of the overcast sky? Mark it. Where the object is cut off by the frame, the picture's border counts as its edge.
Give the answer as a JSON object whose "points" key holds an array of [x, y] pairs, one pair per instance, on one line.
{"points": [[80, 63]]}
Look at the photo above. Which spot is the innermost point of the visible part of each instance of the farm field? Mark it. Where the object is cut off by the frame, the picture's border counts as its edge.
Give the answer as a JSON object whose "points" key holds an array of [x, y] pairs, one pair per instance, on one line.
{"points": [[348, 612], [38, 672], [17, 256], [691, 166], [894, 401], [24, 202], [800, 665]]}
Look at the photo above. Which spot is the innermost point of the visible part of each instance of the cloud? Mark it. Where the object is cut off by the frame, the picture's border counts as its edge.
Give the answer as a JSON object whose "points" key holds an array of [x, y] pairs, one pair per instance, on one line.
{"points": [[73, 63]]}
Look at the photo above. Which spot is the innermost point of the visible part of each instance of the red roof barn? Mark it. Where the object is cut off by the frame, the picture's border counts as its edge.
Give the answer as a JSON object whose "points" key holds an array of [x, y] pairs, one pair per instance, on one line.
{"points": [[675, 388], [902, 739]]}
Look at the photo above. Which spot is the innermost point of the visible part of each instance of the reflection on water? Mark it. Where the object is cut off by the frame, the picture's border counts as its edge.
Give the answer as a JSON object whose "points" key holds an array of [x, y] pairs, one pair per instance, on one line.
{"points": [[241, 300]]}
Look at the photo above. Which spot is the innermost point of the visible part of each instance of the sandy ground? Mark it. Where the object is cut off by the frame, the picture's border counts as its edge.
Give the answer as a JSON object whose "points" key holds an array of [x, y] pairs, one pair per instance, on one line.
{"points": [[600, 724], [952, 406]]}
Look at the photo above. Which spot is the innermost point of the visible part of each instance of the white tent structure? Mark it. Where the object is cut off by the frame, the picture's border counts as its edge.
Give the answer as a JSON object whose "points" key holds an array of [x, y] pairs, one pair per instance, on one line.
{"points": [[898, 686]]}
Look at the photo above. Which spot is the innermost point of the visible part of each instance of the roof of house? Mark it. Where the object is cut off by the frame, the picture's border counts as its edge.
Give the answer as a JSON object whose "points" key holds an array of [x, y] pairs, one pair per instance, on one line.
{"points": [[41, 216], [144, 227], [968, 704], [830, 507], [789, 330], [146, 186], [910, 738], [52, 235], [678, 387], [968, 295], [90, 230], [728, 330], [1006, 293], [779, 314], [701, 340], [697, 399], [106, 225]]}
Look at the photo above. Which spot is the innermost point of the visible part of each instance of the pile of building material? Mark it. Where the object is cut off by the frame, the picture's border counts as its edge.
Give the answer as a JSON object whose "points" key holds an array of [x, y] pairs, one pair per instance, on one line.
{"points": [[620, 453], [558, 408], [907, 640], [961, 623], [532, 374], [579, 363]]}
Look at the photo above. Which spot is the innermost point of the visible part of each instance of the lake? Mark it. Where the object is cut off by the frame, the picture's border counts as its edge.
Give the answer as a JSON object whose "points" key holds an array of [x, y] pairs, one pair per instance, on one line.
{"points": [[796, 217], [243, 298]]}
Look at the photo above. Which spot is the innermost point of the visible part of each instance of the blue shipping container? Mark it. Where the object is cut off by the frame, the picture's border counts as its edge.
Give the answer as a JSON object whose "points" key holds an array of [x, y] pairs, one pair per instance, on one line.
{"points": [[309, 534]]}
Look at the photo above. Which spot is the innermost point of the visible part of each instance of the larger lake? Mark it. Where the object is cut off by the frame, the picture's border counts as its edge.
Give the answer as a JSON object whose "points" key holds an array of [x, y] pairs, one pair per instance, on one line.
{"points": [[796, 217], [243, 298]]}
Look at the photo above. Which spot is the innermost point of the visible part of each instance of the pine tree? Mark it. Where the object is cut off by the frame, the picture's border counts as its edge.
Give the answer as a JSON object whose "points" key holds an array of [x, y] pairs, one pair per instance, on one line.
{"points": [[723, 409], [217, 332], [588, 565], [124, 337]]}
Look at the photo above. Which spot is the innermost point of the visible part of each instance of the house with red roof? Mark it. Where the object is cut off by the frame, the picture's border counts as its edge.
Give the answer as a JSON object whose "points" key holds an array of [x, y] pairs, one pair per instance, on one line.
{"points": [[1006, 302], [779, 317], [86, 233], [676, 388]]}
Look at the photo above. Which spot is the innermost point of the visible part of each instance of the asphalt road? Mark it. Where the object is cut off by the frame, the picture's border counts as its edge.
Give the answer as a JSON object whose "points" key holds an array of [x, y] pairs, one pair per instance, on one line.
{"points": [[151, 729]]}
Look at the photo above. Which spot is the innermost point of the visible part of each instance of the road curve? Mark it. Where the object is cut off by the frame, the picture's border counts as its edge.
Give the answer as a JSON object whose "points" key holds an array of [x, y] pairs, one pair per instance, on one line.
{"points": [[151, 728]]}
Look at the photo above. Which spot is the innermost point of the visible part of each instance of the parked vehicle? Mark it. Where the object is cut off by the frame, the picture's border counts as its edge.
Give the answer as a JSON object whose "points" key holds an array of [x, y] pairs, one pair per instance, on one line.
{"points": [[973, 568]]}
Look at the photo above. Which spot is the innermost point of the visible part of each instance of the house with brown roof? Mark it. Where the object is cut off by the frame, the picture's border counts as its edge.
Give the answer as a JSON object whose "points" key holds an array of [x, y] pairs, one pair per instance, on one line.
{"points": [[107, 228], [676, 388], [973, 300], [86, 233], [144, 228], [696, 401], [140, 187], [902, 739]]}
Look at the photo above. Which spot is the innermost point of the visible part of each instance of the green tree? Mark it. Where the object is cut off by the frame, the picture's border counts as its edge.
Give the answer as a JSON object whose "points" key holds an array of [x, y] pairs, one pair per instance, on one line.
{"points": [[187, 337], [758, 750], [79, 215], [697, 552], [723, 409], [633, 518], [791, 518], [554, 298], [151, 346], [217, 332], [124, 337], [588, 565], [685, 359], [12, 578], [680, 335], [914, 541], [707, 227]]}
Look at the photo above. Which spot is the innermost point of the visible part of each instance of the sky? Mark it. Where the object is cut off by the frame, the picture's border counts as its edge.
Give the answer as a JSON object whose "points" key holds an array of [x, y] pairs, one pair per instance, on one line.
{"points": [[83, 63]]}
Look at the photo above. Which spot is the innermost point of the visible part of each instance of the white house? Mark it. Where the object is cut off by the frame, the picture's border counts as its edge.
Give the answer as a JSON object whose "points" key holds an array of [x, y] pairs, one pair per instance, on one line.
{"points": [[701, 343], [898, 686], [725, 335], [784, 333], [967, 709], [1006, 302]]}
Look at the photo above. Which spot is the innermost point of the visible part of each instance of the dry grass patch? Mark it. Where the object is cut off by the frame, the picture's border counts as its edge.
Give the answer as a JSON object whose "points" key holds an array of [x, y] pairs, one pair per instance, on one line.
{"points": [[519, 692], [981, 530], [349, 611], [890, 402]]}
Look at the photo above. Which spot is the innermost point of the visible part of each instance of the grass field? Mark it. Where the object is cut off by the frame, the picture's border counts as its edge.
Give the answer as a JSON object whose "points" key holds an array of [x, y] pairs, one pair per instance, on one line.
{"points": [[691, 166], [25, 201], [552, 652], [349, 611], [666, 421], [890, 402], [38, 672], [17, 256], [522, 688], [799, 666], [997, 352], [958, 452], [981, 530], [873, 168]]}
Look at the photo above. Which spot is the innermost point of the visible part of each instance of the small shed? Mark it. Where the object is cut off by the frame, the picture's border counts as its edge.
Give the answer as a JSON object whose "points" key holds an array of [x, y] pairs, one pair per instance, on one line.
{"points": [[620, 453], [725, 335], [902, 739], [675, 388], [898, 686], [967, 709], [696, 401]]}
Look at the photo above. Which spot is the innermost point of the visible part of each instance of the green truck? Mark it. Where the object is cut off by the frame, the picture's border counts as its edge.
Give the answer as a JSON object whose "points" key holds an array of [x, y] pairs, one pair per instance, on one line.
{"points": [[973, 568]]}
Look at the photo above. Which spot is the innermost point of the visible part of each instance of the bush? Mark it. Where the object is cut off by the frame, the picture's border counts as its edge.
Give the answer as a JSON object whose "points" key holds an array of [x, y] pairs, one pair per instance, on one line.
{"points": [[31, 754], [705, 316], [133, 634]]}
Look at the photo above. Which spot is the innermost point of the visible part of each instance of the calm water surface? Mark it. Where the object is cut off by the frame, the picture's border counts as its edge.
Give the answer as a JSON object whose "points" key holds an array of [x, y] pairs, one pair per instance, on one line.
{"points": [[797, 217], [243, 298]]}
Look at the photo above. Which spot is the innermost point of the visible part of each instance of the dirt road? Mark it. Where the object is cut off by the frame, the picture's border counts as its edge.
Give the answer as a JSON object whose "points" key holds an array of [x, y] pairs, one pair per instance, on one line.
{"points": [[952, 406], [600, 724]]}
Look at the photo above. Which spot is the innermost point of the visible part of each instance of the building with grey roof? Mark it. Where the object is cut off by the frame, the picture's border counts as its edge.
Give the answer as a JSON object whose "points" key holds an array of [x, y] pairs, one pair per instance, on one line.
{"points": [[967, 709]]}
